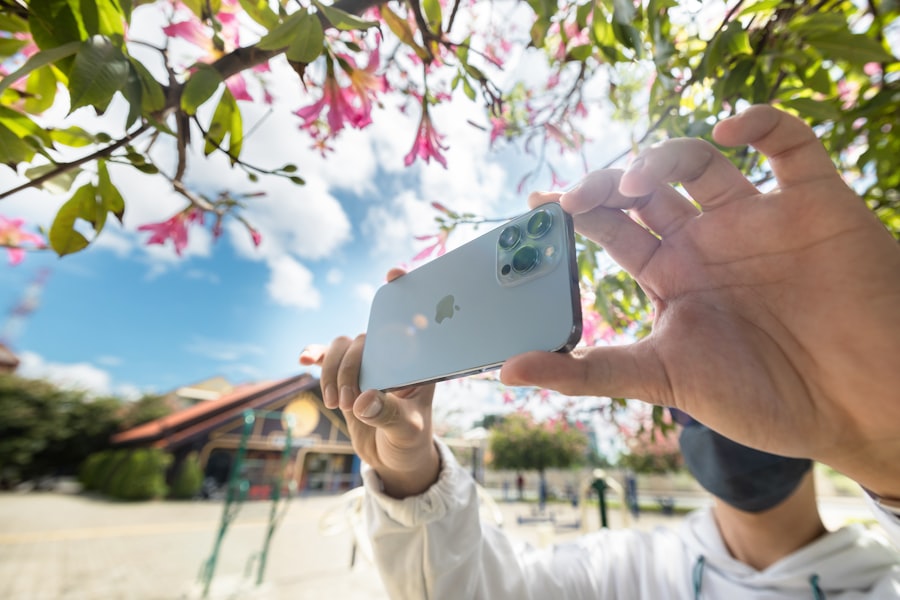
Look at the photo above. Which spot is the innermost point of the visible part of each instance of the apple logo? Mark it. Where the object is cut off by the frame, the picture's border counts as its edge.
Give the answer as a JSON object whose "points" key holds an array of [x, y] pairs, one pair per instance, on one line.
{"points": [[445, 308]]}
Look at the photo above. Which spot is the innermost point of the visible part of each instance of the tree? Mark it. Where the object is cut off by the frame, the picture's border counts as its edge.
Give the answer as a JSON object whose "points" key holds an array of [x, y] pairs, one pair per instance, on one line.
{"points": [[663, 68], [652, 446], [148, 407], [46, 430], [519, 443]]}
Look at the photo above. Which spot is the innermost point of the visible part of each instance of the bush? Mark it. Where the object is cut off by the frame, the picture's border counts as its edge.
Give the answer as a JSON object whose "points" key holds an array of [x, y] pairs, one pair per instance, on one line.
{"points": [[188, 479], [127, 474], [142, 476]]}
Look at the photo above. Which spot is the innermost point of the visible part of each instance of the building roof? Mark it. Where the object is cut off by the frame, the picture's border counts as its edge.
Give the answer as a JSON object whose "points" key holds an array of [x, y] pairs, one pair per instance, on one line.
{"points": [[194, 419], [7, 358]]}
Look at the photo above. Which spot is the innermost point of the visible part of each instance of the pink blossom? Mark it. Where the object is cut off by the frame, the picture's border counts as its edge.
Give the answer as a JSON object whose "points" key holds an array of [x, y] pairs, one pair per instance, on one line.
{"points": [[427, 144], [439, 247], [555, 182], [237, 85], [12, 236], [872, 68], [174, 228], [257, 237], [498, 127], [339, 102]]}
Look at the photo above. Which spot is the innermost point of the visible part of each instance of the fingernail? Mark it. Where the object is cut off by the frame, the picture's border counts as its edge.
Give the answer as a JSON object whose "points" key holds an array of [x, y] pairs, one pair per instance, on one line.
{"points": [[636, 165], [373, 409], [331, 398]]}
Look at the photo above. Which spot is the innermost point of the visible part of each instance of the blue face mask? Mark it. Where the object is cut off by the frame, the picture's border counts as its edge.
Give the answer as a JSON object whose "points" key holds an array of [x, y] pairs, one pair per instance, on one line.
{"points": [[747, 479]]}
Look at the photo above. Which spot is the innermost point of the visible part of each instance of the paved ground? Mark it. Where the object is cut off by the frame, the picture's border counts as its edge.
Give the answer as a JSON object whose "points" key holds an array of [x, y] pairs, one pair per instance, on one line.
{"points": [[65, 546]]}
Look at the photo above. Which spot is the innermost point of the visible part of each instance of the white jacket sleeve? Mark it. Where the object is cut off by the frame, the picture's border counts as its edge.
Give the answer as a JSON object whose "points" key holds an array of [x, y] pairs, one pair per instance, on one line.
{"points": [[889, 521], [434, 546]]}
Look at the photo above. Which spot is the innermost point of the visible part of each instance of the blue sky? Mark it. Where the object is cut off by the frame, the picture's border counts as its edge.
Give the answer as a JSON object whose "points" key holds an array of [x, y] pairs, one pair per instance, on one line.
{"points": [[123, 317]]}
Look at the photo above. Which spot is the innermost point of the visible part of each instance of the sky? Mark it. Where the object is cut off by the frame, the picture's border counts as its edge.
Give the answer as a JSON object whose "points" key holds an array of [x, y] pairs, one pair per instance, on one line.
{"points": [[126, 318]]}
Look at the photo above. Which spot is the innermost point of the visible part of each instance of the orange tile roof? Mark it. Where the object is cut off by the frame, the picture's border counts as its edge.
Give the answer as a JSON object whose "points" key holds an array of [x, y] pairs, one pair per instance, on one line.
{"points": [[187, 421]]}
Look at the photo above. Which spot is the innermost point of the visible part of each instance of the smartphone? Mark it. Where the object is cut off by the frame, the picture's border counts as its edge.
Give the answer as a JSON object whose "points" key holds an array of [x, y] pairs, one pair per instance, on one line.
{"points": [[511, 290]]}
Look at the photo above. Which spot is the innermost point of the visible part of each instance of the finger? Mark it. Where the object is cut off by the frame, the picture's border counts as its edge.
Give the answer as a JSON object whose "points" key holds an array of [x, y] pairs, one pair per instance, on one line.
{"points": [[663, 209], [394, 274], [312, 355], [793, 150], [631, 371], [348, 373], [536, 199], [330, 364], [705, 173]]}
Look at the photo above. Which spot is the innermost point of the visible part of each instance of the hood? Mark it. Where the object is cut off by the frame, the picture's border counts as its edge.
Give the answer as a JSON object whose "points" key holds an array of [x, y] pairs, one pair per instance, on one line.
{"points": [[851, 558]]}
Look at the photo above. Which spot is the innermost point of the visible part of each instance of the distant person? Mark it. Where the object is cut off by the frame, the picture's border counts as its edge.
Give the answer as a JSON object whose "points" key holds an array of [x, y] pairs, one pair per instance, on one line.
{"points": [[520, 486]]}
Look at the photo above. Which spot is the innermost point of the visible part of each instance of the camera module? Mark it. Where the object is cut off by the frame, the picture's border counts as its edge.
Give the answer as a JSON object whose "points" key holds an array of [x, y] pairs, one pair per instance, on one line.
{"points": [[539, 224], [509, 237], [525, 259]]}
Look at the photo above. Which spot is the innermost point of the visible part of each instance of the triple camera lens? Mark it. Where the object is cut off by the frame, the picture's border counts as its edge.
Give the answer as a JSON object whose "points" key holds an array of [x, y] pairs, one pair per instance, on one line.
{"points": [[527, 257]]}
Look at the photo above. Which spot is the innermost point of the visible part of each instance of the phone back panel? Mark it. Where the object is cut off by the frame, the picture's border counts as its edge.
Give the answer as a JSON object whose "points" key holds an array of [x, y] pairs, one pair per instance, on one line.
{"points": [[459, 314]]}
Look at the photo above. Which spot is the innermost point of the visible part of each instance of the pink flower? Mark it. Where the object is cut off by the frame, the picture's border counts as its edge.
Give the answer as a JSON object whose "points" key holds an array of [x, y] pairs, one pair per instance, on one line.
{"points": [[340, 109], [257, 237], [12, 236], [427, 144], [498, 128], [364, 83], [174, 228], [439, 247], [237, 85]]}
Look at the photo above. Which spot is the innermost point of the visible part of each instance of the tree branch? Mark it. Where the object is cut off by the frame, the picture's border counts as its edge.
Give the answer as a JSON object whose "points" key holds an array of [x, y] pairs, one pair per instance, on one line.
{"points": [[63, 167]]}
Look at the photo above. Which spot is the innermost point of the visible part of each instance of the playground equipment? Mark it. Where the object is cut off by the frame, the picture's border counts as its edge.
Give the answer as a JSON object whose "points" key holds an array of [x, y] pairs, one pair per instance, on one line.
{"points": [[237, 491]]}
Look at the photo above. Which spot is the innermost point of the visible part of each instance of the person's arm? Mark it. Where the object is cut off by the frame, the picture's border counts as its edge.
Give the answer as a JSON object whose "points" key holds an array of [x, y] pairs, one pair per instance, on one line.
{"points": [[775, 318]]}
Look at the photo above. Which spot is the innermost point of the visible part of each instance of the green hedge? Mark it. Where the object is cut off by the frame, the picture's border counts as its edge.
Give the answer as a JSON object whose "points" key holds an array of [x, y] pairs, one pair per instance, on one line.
{"points": [[188, 479], [138, 474]]}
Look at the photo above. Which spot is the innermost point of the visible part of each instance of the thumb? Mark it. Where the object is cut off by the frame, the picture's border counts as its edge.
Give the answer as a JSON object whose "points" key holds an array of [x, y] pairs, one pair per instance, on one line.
{"points": [[390, 413], [631, 371]]}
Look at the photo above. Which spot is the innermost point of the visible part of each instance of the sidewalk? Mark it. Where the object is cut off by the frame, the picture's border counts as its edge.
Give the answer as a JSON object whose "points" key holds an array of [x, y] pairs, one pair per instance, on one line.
{"points": [[61, 546]]}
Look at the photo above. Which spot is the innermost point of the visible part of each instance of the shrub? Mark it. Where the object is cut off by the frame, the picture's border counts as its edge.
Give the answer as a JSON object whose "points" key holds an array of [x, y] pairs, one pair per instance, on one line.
{"points": [[142, 475], [188, 479]]}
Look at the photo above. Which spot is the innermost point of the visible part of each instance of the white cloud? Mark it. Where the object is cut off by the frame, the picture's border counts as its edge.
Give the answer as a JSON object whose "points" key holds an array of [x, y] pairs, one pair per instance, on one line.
{"points": [[109, 361], [223, 350], [291, 284], [334, 276], [364, 292], [81, 376], [202, 275]]}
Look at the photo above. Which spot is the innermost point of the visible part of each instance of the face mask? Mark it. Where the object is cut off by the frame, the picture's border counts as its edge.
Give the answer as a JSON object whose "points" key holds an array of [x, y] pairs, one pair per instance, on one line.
{"points": [[747, 479]]}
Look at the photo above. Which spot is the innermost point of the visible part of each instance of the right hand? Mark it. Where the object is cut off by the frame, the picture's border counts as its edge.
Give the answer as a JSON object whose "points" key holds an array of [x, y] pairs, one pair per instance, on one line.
{"points": [[392, 432]]}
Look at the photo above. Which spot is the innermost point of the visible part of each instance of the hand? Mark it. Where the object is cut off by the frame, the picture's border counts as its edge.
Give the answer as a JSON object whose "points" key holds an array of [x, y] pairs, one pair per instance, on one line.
{"points": [[391, 432], [776, 314]]}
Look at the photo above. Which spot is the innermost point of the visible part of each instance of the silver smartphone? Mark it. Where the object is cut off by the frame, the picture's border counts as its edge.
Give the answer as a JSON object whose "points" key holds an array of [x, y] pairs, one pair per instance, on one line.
{"points": [[511, 290]]}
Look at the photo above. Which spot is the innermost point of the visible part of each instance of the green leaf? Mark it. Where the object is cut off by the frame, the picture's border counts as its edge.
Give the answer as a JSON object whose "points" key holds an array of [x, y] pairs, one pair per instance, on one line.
{"points": [[343, 20], [23, 127], [735, 40], [152, 96], [100, 70], [54, 23], [103, 17], [857, 49], [259, 11], [63, 237], [110, 198], [10, 46], [89, 207], [468, 89], [41, 89], [432, 10], [73, 136], [39, 60], [12, 149], [308, 42], [815, 109], [226, 121], [282, 35], [203, 83], [400, 28], [56, 185], [11, 23]]}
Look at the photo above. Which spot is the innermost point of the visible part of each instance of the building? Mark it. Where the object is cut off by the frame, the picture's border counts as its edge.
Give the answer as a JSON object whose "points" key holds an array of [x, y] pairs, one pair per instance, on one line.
{"points": [[321, 457], [8, 361]]}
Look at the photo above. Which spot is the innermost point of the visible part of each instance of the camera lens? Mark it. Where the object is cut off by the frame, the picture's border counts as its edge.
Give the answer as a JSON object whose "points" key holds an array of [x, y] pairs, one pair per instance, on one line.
{"points": [[525, 259], [509, 237], [539, 224]]}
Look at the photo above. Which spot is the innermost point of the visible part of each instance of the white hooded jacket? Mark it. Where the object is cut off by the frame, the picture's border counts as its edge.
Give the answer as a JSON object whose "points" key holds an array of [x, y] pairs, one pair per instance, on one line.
{"points": [[434, 546]]}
